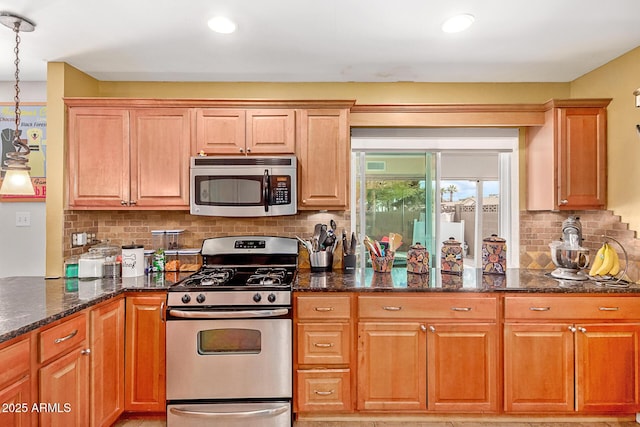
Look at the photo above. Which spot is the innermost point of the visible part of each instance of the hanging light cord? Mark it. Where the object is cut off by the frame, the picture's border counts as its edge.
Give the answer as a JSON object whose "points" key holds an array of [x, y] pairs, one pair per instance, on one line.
{"points": [[17, 159]]}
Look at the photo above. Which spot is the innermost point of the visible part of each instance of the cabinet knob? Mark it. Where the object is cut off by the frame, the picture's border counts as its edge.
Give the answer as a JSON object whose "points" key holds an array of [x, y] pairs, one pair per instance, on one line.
{"points": [[132, 203], [564, 202], [85, 352], [572, 328], [432, 328], [242, 150], [583, 330], [123, 203]]}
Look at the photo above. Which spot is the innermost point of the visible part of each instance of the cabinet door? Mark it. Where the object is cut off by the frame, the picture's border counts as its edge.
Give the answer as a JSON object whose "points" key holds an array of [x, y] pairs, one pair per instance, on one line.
{"points": [[538, 368], [607, 364], [64, 383], [323, 154], [220, 131], [16, 404], [462, 367], [98, 157], [107, 363], [145, 354], [582, 166], [271, 131], [392, 366], [160, 151]]}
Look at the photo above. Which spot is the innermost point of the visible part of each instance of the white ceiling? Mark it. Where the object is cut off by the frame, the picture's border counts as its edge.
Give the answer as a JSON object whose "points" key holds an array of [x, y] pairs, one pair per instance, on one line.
{"points": [[321, 40]]}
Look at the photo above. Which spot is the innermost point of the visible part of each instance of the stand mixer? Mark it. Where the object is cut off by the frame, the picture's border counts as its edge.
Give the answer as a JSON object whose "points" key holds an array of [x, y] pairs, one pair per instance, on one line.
{"points": [[568, 255]]}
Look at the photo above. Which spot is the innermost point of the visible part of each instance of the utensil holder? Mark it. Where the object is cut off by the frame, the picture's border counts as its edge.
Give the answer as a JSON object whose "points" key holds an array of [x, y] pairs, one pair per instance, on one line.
{"points": [[349, 263], [321, 261], [383, 264]]}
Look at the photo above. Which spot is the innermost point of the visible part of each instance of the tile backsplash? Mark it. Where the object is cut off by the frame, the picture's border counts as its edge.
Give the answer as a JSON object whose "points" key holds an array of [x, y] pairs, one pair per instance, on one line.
{"points": [[537, 230]]}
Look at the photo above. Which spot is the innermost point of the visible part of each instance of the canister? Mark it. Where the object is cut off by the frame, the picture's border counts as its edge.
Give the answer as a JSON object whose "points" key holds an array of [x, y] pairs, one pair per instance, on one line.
{"points": [[132, 260], [189, 259], [418, 259], [494, 255], [174, 239], [71, 267], [91, 266], [171, 262], [159, 239], [451, 256]]}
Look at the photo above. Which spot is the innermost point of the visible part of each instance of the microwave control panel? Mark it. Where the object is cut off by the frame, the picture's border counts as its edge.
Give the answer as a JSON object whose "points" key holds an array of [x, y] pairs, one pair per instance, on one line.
{"points": [[280, 190]]}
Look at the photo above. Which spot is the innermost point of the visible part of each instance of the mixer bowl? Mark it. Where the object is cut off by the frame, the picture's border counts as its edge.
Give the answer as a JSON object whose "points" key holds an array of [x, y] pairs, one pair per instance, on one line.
{"points": [[570, 258]]}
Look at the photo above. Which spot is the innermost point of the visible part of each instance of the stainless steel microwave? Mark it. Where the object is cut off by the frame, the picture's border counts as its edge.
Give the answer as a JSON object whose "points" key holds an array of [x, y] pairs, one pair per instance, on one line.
{"points": [[243, 186]]}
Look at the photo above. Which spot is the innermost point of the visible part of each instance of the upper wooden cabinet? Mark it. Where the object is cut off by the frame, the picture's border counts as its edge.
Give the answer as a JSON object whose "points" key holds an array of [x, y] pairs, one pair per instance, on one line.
{"points": [[245, 131], [323, 149], [123, 158], [567, 157]]}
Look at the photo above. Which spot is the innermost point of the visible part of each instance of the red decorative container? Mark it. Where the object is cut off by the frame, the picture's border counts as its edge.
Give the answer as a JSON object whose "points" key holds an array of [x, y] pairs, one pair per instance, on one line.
{"points": [[494, 255]]}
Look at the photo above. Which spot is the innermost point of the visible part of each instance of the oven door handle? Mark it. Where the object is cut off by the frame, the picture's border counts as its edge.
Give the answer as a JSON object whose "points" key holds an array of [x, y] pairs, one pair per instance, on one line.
{"points": [[229, 314], [262, 413]]}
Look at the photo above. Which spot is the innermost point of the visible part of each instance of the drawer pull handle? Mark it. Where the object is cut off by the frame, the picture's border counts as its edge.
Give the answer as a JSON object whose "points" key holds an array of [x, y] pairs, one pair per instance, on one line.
{"points": [[68, 337], [324, 308], [391, 308], [608, 308], [323, 393], [540, 308], [461, 308], [324, 344]]}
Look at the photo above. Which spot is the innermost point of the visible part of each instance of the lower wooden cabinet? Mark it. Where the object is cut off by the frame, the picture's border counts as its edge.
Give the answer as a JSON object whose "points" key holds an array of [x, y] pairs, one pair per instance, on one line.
{"points": [[392, 366], [107, 362], [64, 383], [16, 383], [462, 368], [145, 353], [323, 359], [572, 354]]}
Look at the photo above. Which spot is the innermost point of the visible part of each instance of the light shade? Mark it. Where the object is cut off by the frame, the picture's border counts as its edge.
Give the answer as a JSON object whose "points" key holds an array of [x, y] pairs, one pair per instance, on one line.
{"points": [[458, 23], [17, 182], [636, 93]]}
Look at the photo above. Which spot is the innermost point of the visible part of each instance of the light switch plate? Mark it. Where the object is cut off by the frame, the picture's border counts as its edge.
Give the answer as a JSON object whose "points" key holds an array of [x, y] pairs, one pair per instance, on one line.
{"points": [[23, 219]]}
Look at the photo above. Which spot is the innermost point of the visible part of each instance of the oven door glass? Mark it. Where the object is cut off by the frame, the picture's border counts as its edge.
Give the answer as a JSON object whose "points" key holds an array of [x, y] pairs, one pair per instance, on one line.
{"points": [[229, 359], [261, 414]]}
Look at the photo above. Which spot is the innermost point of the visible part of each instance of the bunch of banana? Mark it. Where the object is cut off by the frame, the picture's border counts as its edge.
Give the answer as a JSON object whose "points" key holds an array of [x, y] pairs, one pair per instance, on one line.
{"points": [[606, 262]]}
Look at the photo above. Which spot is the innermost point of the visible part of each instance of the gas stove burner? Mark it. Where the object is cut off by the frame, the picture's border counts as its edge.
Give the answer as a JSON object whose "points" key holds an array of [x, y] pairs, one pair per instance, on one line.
{"points": [[267, 276], [210, 277]]}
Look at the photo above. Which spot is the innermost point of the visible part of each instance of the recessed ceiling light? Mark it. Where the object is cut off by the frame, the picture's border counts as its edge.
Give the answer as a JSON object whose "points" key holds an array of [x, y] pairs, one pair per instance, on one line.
{"points": [[458, 23], [221, 24]]}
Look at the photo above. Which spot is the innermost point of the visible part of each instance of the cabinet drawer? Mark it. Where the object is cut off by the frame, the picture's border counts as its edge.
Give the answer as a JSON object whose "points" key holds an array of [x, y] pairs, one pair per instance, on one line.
{"points": [[323, 307], [60, 338], [326, 390], [572, 307], [14, 361], [427, 307], [323, 343]]}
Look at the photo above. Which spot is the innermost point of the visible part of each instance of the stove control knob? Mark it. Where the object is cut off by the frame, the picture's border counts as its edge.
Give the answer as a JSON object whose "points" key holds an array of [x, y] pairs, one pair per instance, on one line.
{"points": [[186, 298], [257, 297], [272, 298], [200, 298]]}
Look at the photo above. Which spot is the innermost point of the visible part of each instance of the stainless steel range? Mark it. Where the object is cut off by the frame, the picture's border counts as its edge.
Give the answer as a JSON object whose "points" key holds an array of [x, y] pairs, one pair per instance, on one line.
{"points": [[229, 335]]}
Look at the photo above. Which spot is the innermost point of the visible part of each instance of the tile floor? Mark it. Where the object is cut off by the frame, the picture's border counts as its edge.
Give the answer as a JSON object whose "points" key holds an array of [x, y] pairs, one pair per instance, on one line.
{"points": [[137, 422]]}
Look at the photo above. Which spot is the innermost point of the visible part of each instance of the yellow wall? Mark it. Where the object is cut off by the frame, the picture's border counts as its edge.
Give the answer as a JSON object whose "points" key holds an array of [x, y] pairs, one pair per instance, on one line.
{"points": [[618, 79], [62, 80]]}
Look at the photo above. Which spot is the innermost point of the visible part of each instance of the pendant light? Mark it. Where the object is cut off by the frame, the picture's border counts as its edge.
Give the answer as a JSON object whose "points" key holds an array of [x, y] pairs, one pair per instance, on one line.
{"points": [[17, 181]]}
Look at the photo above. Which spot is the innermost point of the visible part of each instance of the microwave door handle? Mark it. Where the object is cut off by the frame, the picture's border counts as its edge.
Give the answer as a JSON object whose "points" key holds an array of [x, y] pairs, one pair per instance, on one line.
{"points": [[265, 190]]}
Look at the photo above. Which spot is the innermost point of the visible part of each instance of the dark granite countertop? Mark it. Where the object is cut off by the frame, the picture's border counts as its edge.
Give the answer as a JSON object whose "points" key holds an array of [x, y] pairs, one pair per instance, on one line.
{"points": [[27, 303], [472, 280]]}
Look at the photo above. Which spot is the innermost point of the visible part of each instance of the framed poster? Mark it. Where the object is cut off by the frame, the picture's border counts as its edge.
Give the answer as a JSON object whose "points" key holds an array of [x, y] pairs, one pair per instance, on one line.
{"points": [[33, 127]]}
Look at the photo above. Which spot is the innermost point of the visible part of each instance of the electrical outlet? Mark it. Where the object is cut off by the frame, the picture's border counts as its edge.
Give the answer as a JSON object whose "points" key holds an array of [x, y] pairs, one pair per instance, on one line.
{"points": [[78, 239], [23, 219]]}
